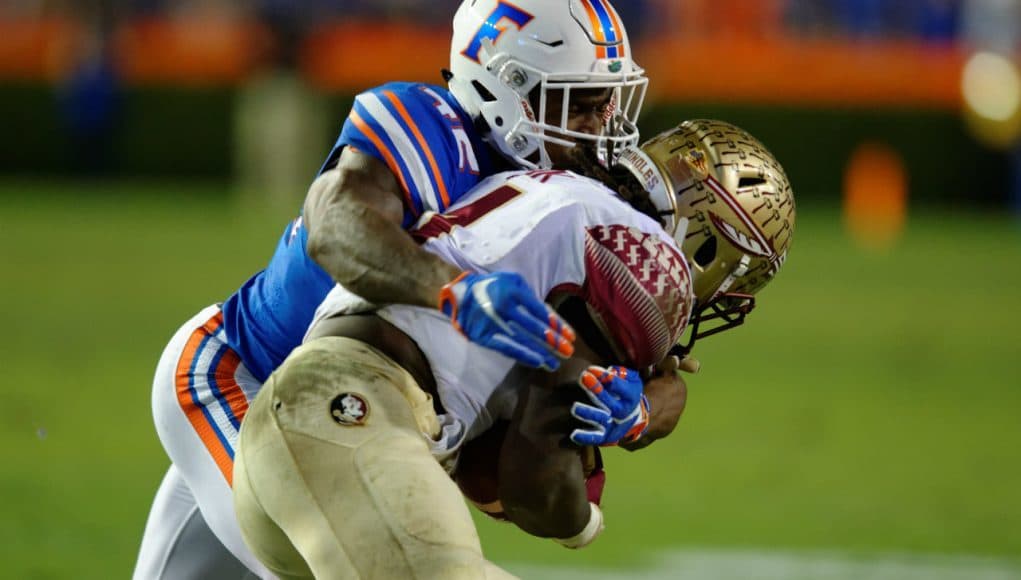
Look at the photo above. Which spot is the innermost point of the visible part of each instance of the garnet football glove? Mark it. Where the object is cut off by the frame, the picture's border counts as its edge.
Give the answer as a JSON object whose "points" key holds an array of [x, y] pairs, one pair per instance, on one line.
{"points": [[499, 311], [618, 411]]}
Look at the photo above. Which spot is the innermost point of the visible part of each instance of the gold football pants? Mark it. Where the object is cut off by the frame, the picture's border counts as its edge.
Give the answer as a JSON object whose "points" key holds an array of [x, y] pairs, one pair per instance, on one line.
{"points": [[333, 476]]}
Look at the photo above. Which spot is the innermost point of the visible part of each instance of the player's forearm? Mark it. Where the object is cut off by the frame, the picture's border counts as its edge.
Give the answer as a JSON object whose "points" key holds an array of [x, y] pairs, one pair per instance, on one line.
{"points": [[549, 498], [374, 258], [542, 485]]}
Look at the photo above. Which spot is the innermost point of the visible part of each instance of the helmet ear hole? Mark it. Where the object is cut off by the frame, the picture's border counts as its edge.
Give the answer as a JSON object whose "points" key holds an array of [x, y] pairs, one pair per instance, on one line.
{"points": [[484, 93], [706, 252]]}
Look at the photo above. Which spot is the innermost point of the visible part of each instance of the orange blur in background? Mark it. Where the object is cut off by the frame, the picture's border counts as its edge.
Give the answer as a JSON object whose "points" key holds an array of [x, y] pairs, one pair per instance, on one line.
{"points": [[875, 196], [765, 63]]}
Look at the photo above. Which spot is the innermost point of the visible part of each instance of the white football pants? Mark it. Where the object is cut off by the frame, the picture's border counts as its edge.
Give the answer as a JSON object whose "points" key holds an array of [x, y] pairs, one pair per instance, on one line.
{"points": [[200, 394], [334, 478]]}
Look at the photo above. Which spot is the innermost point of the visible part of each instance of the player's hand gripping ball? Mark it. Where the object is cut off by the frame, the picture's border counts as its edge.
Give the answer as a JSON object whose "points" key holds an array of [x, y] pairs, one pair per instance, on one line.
{"points": [[618, 411], [499, 311]]}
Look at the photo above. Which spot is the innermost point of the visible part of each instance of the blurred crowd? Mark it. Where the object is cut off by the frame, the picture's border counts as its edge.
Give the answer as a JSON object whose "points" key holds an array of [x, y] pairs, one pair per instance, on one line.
{"points": [[93, 48], [928, 20]]}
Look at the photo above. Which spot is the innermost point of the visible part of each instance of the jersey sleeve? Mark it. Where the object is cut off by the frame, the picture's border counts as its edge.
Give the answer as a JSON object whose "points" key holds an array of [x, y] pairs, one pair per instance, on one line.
{"points": [[419, 134], [638, 289], [509, 224], [637, 283]]}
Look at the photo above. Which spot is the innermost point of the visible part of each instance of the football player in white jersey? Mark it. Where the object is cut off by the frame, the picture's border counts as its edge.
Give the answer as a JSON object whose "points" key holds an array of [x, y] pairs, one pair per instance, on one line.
{"points": [[741, 214], [340, 470], [528, 80]]}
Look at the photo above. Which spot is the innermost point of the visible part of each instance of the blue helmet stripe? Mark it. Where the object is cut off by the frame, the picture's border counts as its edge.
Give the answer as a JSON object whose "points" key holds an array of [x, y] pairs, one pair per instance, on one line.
{"points": [[612, 34]]}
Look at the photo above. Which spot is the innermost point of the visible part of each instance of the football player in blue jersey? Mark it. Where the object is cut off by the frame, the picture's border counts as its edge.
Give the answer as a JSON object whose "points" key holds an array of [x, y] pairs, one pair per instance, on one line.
{"points": [[529, 81]]}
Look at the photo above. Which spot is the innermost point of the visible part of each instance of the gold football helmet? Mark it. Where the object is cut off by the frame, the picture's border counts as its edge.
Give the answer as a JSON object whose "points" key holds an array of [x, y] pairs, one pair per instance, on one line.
{"points": [[739, 209]]}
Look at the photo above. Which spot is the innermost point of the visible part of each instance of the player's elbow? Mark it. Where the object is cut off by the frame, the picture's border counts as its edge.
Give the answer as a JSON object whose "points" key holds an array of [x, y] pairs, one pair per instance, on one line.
{"points": [[530, 511], [527, 497], [322, 195], [319, 244], [549, 507]]}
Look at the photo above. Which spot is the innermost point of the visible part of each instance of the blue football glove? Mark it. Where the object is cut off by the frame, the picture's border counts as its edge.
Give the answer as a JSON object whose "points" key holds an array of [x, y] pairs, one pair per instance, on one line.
{"points": [[499, 311], [618, 412]]}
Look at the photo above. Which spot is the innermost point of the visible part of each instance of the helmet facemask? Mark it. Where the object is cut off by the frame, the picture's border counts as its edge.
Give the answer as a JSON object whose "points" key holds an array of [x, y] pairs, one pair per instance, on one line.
{"points": [[558, 102], [550, 102], [725, 311]]}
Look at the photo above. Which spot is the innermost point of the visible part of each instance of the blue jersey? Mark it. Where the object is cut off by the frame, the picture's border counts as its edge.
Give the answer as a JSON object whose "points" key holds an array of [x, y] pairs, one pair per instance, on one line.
{"points": [[428, 142]]}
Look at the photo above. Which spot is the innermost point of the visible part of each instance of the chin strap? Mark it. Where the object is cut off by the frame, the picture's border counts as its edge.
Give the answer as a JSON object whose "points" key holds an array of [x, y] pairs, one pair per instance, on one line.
{"points": [[740, 270]]}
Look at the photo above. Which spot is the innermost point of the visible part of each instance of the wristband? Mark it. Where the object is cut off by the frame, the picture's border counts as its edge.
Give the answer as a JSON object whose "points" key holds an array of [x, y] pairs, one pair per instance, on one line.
{"points": [[588, 534]]}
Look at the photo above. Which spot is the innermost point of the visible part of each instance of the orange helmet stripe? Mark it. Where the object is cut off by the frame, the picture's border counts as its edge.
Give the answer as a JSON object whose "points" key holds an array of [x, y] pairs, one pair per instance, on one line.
{"points": [[597, 27]]}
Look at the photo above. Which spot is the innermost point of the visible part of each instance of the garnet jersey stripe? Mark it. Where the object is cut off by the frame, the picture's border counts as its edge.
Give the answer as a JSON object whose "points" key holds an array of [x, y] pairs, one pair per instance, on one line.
{"points": [[463, 216]]}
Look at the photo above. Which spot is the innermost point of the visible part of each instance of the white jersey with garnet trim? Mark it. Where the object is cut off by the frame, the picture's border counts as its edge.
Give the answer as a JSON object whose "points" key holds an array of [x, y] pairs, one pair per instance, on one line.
{"points": [[563, 234]]}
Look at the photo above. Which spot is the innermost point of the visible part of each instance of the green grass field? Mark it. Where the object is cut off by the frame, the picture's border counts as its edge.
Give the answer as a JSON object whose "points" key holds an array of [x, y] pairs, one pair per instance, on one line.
{"points": [[870, 407]]}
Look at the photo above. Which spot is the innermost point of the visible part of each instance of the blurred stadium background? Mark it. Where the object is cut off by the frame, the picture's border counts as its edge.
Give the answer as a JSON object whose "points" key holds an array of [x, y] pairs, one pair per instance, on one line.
{"points": [[864, 425]]}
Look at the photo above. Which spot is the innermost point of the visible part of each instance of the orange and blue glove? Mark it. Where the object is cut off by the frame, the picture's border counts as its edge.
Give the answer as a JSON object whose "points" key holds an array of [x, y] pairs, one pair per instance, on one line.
{"points": [[617, 411], [499, 311]]}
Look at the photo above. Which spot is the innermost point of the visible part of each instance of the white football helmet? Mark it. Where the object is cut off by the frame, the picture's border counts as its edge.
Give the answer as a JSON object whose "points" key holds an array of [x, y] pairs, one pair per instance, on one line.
{"points": [[503, 50]]}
